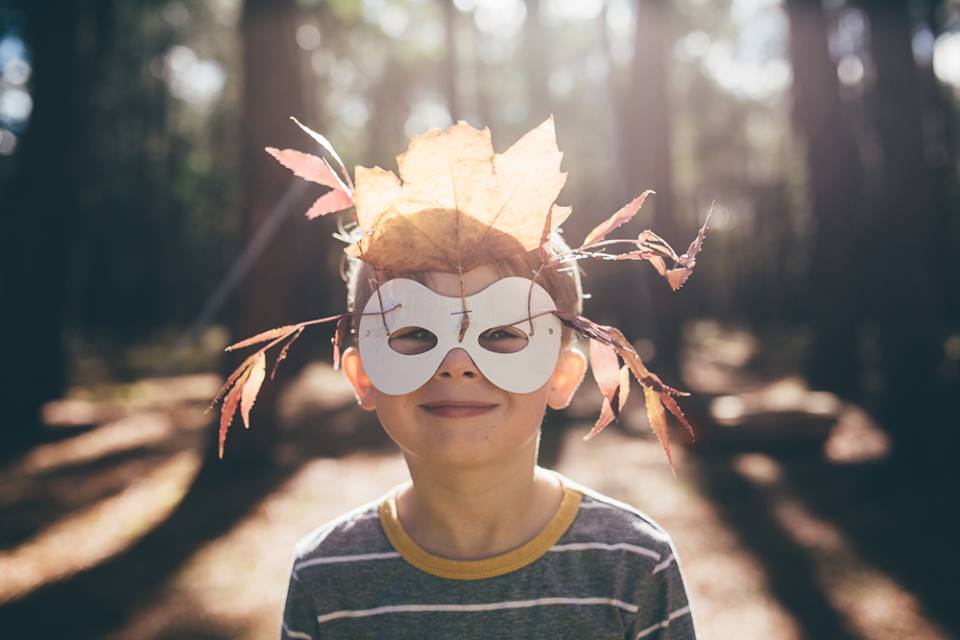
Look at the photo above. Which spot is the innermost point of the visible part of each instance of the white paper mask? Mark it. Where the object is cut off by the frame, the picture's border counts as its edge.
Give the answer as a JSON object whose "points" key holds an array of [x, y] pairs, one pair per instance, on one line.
{"points": [[401, 358]]}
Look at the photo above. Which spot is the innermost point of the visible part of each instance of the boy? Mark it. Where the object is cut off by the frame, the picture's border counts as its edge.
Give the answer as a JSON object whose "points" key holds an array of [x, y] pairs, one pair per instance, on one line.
{"points": [[463, 313]]}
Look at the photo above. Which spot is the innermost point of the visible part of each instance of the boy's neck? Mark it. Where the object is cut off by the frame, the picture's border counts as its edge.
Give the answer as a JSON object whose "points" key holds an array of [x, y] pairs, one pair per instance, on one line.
{"points": [[479, 512]]}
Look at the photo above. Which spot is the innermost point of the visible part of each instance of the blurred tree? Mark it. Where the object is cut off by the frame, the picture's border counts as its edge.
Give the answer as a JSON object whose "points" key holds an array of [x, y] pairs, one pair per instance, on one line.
{"points": [[43, 203], [941, 135], [909, 307], [536, 62], [450, 63], [272, 91], [836, 193], [645, 124]]}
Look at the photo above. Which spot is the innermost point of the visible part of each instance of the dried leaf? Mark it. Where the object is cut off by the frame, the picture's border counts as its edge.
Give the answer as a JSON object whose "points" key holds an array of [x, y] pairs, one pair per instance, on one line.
{"points": [[329, 149], [246, 380], [230, 380], [606, 417], [263, 337], [545, 236], [251, 387], [307, 166], [331, 201], [460, 205], [606, 371], [674, 408], [605, 366], [677, 277], [623, 391], [658, 423], [622, 216], [656, 393], [283, 352], [230, 408], [689, 258], [650, 242]]}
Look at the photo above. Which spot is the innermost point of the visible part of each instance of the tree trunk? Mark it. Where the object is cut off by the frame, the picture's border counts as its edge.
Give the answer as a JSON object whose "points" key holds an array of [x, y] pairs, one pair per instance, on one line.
{"points": [[909, 307], [836, 194], [450, 63], [40, 222], [536, 63], [272, 92], [645, 124]]}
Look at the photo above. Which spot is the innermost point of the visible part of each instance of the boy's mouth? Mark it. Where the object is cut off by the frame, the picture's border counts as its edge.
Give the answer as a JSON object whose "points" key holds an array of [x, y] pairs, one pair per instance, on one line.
{"points": [[457, 409]]}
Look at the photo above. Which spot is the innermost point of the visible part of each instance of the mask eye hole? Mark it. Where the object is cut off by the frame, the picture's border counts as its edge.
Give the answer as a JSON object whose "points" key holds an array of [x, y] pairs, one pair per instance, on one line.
{"points": [[412, 341], [507, 339]]}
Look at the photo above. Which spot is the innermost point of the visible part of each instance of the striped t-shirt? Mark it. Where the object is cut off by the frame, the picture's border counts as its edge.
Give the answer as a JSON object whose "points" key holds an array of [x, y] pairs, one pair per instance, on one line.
{"points": [[599, 569]]}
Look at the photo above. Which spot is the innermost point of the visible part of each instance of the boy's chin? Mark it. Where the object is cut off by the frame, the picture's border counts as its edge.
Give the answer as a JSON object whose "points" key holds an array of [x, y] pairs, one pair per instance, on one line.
{"points": [[466, 445]]}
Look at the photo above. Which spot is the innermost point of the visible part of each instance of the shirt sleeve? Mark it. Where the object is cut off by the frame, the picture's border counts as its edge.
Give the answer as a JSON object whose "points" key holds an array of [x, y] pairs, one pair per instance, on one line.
{"points": [[299, 616], [663, 608]]}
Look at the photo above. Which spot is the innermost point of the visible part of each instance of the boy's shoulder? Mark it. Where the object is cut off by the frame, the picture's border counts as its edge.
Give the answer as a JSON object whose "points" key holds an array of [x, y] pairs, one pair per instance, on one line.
{"points": [[357, 531], [607, 520]]}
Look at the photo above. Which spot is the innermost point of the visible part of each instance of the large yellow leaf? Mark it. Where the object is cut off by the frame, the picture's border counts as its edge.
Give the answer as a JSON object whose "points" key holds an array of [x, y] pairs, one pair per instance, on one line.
{"points": [[456, 204]]}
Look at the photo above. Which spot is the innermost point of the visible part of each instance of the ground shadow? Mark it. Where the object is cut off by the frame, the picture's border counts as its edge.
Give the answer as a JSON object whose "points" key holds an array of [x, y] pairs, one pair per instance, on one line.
{"points": [[786, 565], [98, 600], [898, 525]]}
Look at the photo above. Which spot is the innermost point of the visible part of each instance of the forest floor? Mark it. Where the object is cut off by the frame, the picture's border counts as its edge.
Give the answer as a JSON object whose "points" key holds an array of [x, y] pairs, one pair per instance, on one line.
{"points": [[788, 519]]}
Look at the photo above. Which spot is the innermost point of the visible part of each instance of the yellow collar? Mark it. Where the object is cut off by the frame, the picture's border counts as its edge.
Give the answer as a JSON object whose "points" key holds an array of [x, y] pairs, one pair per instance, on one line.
{"points": [[486, 567]]}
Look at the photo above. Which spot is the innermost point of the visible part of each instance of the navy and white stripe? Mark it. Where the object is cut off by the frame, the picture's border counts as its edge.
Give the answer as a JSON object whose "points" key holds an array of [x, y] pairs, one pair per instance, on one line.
{"points": [[613, 573]]}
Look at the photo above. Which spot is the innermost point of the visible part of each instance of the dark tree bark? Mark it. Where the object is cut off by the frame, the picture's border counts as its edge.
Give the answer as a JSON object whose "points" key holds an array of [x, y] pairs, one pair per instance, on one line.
{"points": [[914, 402], [941, 134], [646, 127], [39, 223], [836, 194], [272, 92]]}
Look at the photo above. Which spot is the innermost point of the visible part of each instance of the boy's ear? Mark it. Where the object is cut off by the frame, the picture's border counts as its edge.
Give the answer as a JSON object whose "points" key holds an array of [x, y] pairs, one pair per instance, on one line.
{"points": [[571, 367], [362, 387]]}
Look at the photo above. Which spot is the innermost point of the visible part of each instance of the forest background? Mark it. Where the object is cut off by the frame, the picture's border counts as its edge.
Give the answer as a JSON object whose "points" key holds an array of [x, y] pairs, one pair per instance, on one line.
{"points": [[144, 228]]}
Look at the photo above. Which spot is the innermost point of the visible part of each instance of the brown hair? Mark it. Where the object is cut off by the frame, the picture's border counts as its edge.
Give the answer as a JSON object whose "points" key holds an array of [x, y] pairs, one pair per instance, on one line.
{"points": [[561, 281]]}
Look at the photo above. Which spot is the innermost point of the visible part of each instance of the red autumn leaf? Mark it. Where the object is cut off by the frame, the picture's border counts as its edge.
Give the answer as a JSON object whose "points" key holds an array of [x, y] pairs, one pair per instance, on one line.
{"points": [[656, 393], [230, 408], [323, 142], [650, 242], [230, 380], [283, 352], [545, 236], [606, 371], [246, 380], [307, 166], [606, 417], [677, 277], [283, 331], [658, 423], [690, 257], [251, 387], [623, 392], [331, 201], [605, 366], [674, 408], [625, 213]]}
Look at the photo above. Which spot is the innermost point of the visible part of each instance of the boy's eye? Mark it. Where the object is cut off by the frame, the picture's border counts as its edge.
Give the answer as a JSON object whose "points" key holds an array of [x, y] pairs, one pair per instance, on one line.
{"points": [[411, 341], [503, 339]]}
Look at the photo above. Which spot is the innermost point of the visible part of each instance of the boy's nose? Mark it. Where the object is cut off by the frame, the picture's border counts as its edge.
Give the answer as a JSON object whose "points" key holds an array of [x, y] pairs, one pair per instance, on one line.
{"points": [[457, 364]]}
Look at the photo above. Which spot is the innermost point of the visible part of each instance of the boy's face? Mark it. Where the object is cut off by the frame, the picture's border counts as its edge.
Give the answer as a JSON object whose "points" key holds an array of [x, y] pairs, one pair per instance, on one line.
{"points": [[458, 416]]}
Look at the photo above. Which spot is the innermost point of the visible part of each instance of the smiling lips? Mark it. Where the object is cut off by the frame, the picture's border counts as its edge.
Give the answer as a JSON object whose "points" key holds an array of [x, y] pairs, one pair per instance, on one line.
{"points": [[455, 409]]}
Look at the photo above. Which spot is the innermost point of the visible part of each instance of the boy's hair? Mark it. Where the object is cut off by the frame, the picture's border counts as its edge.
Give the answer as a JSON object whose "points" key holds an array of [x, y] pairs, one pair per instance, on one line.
{"points": [[562, 282]]}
